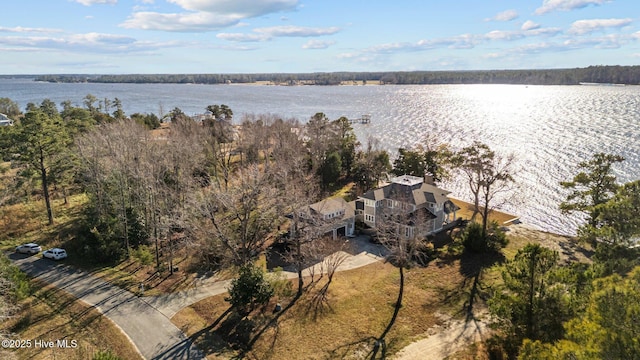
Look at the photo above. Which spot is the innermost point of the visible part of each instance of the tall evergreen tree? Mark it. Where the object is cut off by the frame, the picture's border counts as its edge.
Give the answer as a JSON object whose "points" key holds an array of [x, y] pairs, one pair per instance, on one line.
{"points": [[592, 186], [37, 142]]}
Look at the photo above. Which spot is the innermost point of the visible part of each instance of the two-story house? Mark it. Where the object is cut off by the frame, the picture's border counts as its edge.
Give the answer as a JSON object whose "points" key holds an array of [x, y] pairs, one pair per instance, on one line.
{"points": [[426, 207]]}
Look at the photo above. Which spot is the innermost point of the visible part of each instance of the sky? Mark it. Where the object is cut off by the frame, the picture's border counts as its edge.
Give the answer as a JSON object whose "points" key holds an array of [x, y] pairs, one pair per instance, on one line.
{"points": [[292, 36]]}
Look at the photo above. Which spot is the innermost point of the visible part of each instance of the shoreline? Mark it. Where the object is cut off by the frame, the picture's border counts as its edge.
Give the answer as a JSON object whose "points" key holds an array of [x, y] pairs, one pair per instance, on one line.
{"points": [[503, 218]]}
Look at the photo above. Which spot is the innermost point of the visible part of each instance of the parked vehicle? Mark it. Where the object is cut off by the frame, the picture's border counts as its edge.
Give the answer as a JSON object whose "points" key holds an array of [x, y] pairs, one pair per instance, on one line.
{"points": [[55, 254], [30, 248]]}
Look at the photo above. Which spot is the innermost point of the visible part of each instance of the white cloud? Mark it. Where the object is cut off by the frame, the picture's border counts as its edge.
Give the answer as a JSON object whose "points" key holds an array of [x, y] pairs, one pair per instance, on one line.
{"points": [[537, 48], [240, 37], [611, 41], [20, 29], [506, 15], [504, 35], [464, 41], [96, 2], [520, 34], [492, 56], [582, 27], [529, 25], [317, 44], [543, 32], [245, 8], [296, 31], [268, 33], [82, 43], [180, 22], [566, 5], [206, 15]]}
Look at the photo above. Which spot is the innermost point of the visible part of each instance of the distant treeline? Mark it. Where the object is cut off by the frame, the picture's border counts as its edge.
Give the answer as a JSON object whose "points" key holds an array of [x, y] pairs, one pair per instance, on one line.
{"points": [[629, 75]]}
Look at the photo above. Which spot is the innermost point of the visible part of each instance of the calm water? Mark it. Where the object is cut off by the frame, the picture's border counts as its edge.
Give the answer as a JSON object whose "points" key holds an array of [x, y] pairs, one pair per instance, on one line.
{"points": [[548, 128]]}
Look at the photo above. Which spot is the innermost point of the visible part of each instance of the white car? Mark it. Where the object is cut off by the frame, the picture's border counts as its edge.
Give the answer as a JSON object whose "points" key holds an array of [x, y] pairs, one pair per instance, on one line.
{"points": [[30, 248], [55, 254]]}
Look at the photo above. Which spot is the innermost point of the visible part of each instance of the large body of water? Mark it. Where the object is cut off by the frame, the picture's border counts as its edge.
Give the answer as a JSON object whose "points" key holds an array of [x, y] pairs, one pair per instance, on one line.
{"points": [[549, 129]]}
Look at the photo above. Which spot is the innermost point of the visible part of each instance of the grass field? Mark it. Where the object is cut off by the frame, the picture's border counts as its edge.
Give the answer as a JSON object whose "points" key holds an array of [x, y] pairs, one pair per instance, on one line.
{"points": [[359, 306]]}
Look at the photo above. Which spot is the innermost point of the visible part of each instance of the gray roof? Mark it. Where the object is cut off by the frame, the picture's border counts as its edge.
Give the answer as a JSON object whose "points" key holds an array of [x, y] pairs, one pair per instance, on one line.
{"points": [[416, 193], [331, 205]]}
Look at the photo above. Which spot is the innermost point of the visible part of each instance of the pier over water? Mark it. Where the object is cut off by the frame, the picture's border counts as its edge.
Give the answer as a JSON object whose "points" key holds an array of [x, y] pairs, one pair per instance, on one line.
{"points": [[364, 119]]}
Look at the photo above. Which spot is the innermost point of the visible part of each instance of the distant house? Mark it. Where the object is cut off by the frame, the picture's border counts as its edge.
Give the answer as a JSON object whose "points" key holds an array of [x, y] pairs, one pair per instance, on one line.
{"points": [[426, 207], [333, 216], [5, 121]]}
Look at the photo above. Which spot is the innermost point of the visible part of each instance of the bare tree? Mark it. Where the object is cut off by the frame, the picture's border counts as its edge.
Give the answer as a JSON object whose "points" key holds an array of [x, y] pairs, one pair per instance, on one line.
{"points": [[242, 216], [333, 253], [219, 155], [183, 155], [487, 175]]}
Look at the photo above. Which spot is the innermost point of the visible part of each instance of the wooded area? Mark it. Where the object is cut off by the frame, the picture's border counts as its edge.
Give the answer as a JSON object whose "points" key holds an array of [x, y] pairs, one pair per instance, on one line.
{"points": [[628, 75]]}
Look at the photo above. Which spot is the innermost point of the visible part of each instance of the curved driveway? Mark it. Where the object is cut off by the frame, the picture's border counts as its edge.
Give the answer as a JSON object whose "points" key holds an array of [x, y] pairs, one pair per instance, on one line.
{"points": [[150, 330]]}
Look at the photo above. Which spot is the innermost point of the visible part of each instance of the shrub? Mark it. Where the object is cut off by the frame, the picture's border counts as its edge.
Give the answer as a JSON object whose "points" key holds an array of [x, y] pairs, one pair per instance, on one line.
{"points": [[494, 240], [282, 287], [250, 289], [105, 355], [144, 255], [20, 286]]}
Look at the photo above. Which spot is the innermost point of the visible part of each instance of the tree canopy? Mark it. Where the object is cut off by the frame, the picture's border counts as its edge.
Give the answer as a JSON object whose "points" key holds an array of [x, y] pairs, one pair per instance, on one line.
{"points": [[592, 186]]}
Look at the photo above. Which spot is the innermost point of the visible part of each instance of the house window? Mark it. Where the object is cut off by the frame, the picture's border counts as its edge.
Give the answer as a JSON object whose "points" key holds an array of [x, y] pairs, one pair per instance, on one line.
{"points": [[406, 231], [368, 218]]}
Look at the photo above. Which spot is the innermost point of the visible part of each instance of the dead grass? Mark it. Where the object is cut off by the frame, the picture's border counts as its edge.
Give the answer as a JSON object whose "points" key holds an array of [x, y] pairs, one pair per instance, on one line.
{"points": [[128, 275], [27, 222], [52, 314], [569, 248], [344, 192], [359, 306]]}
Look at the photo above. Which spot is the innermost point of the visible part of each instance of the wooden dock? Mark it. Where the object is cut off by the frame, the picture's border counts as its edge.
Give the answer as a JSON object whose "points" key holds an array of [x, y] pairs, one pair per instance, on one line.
{"points": [[364, 119]]}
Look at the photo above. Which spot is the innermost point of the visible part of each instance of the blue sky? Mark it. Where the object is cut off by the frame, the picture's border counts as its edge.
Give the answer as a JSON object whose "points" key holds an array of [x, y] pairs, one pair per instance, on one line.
{"points": [[250, 36]]}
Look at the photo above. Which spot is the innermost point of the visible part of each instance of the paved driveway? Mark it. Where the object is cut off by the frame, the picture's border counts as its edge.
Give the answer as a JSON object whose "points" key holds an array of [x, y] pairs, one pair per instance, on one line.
{"points": [[150, 331], [147, 320]]}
